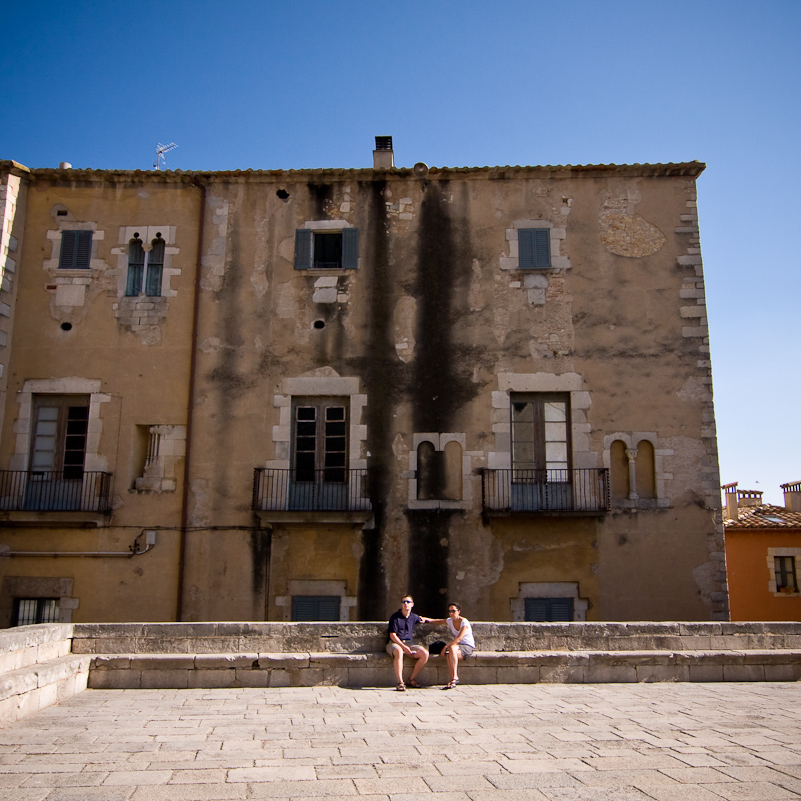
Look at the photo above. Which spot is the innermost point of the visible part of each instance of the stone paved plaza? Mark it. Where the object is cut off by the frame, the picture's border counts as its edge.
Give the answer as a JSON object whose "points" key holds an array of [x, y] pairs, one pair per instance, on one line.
{"points": [[618, 742]]}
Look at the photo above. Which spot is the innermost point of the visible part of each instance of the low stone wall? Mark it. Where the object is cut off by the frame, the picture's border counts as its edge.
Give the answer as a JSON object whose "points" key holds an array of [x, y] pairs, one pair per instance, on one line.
{"points": [[170, 655], [37, 669]]}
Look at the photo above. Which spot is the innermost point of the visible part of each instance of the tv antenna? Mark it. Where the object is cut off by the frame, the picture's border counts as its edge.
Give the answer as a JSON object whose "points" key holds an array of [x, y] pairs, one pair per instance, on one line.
{"points": [[160, 151]]}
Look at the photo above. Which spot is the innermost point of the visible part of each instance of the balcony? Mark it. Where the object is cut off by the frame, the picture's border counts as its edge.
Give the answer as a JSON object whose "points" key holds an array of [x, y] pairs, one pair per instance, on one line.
{"points": [[34, 495], [583, 492], [333, 494]]}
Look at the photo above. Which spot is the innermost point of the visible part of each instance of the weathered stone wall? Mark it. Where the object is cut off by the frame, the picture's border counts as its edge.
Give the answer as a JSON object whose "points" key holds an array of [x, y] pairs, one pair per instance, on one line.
{"points": [[427, 340]]}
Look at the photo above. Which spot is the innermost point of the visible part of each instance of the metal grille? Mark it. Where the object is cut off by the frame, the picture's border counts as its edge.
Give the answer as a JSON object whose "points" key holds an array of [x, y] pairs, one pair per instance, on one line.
{"points": [[581, 490]]}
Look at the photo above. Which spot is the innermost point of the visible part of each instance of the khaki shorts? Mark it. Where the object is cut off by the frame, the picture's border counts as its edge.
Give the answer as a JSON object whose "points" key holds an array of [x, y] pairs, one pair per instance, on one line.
{"points": [[392, 647]]}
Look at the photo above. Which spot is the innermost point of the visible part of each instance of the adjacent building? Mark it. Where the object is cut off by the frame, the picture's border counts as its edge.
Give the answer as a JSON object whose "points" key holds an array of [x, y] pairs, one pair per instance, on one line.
{"points": [[289, 395], [763, 549]]}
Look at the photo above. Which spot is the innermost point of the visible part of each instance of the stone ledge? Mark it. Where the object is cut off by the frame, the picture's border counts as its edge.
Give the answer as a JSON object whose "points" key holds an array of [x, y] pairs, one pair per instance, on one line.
{"points": [[170, 671]]}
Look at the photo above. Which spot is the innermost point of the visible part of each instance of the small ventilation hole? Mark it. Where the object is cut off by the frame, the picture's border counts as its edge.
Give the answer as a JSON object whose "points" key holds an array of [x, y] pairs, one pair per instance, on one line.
{"points": [[318, 324], [66, 326]]}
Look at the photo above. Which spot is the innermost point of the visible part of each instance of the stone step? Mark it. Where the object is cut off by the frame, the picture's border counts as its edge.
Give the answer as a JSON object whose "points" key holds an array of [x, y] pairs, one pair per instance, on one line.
{"points": [[304, 669]]}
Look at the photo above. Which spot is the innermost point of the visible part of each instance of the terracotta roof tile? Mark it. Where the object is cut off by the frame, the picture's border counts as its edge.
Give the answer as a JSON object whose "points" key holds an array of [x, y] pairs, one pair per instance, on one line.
{"points": [[765, 516]]}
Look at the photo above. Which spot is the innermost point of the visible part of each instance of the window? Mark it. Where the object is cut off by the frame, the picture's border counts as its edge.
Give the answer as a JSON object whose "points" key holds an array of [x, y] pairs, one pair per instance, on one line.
{"points": [[145, 265], [549, 610], [60, 427], [319, 474], [315, 607], [439, 472], [784, 567], [540, 435], [76, 250], [541, 453], [534, 248], [28, 611], [326, 250]]}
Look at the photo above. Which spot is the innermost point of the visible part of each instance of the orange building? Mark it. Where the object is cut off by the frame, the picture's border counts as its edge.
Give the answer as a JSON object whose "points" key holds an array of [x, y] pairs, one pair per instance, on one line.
{"points": [[763, 548]]}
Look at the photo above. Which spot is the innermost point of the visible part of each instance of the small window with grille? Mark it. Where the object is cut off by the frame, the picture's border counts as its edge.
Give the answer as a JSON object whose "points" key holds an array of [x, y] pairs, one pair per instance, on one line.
{"points": [[549, 610], [326, 250], [307, 608], [29, 611]]}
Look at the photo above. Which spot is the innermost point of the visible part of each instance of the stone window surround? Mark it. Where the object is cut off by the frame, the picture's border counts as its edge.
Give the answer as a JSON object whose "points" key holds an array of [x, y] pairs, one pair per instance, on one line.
{"points": [[773, 552], [631, 440], [512, 261], [93, 461], [548, 589], [71, 284], [439, 441], [580, 401], [147, 233], [319, 386], [317, 587]]}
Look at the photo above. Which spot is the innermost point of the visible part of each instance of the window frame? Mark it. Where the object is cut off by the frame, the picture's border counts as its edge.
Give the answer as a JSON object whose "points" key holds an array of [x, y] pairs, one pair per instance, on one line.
{"points": [[40, 612], [325, 470], [305, 249], [76, 249], [145, 277], [784, 575], [534, 249], [66, 434], [539, 425]]}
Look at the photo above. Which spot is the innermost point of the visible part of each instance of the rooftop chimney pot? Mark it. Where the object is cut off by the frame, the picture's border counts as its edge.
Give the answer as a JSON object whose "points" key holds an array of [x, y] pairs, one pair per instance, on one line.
{"points": [[383, 155], [792, 496]]}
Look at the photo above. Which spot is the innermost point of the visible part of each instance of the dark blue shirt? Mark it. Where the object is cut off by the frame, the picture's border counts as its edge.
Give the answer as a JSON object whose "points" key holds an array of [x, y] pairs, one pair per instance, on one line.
{"points": [[403, 626]]}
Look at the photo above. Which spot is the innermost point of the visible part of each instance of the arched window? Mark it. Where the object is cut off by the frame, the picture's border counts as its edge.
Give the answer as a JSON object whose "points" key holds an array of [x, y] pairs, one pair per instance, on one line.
{"points": [[452, 490], [645, 470], [429, 472], [145, 266], [619, 469]]}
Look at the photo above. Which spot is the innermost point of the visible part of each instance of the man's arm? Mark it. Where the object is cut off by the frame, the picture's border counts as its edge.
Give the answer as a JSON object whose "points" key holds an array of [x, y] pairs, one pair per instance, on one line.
{"points": [[398, 641]]}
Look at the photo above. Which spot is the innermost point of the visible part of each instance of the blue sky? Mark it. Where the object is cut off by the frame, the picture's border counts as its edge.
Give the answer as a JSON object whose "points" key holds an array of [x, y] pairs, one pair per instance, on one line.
{"points": [[280, 85]]}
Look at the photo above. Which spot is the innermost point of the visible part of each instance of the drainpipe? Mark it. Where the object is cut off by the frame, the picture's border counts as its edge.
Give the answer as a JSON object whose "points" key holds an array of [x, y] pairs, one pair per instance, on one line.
{"points": [[179, 607]]}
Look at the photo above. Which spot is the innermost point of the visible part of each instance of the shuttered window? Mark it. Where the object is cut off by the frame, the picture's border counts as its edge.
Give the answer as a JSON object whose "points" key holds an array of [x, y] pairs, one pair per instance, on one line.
{"points": [[326, 250], [307, 608], [76, 250], [549, 610], [534, 248]]}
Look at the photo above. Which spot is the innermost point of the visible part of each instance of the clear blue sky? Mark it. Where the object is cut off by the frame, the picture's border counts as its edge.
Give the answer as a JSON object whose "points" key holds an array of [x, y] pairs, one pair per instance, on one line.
{"points": [[270, 85]]}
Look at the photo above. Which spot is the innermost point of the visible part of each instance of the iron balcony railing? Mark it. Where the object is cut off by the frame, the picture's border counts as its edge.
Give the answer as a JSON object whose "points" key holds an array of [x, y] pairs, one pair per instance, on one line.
{"points": [[538, 491], [328, 490], [70, 490]]}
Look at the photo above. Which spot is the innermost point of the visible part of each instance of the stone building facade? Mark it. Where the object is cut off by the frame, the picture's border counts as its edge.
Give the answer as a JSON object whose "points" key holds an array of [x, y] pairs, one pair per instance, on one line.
{"points": [[278, 395]]}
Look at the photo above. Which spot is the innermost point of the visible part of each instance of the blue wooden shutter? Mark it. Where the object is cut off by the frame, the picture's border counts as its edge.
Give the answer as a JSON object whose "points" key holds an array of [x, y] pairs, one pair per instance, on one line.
{"points": [[76, 250], [350, 248], [534, 248], [315, 607], [303, 249]]}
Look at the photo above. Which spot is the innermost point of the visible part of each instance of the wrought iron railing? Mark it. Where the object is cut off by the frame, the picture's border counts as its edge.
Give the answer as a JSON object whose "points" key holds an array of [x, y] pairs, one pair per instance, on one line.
{"points": [[532, 491], [71, 490], [334, 490]]}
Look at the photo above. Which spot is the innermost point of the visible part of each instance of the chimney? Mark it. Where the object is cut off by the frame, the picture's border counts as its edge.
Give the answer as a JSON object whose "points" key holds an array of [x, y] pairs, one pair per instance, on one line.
{"points": [[749, 498], [792, 496], [730, 494], [383, 155]]}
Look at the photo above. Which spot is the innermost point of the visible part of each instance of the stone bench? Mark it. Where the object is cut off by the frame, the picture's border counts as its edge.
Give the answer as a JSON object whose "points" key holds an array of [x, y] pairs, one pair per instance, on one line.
{"points": [[170, 655], [37, 669]]}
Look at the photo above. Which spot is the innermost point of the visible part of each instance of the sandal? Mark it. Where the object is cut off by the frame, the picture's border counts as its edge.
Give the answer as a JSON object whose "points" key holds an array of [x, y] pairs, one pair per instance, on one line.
{"points": [[414, 683], [451, 684], [401, 688]]}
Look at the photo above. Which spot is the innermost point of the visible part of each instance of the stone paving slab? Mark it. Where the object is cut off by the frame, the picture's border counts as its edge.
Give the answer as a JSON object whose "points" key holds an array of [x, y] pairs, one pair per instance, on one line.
{"points": [[622, 742]]}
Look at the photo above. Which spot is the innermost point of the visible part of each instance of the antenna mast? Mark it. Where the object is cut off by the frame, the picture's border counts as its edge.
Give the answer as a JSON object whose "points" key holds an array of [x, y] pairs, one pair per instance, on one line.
{"points": [[160, 151]]}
